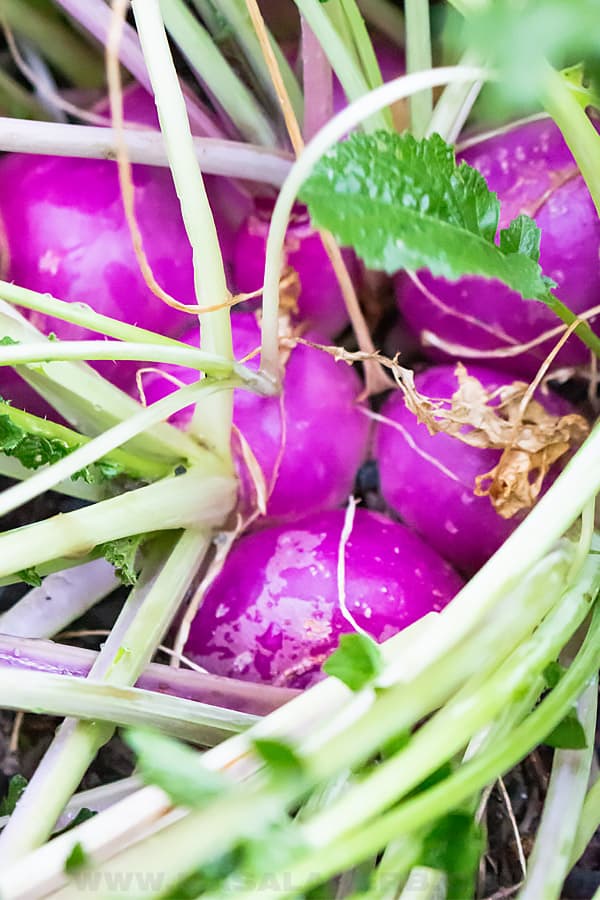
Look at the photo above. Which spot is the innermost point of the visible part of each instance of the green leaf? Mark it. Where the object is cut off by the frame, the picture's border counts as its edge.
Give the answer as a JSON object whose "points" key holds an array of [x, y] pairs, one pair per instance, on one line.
{"points": [[82, 816], [406, 204], [568, 734], [30, 576], [174, 767], [454, 845], [356, 661], [76, 858], [7, 341], [281, 758], [122, 555], [515, 39], [16, 786], [552, 674]]}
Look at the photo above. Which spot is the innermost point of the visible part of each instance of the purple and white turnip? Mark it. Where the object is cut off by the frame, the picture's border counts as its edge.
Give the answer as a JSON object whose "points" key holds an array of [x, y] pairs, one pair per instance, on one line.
{"points": [[533, 172], [274, 613], [310, 455], [429, 480]]}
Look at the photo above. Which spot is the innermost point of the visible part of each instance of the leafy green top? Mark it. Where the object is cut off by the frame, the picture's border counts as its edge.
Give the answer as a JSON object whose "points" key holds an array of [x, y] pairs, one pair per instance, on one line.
{"points": [[406, 204]]}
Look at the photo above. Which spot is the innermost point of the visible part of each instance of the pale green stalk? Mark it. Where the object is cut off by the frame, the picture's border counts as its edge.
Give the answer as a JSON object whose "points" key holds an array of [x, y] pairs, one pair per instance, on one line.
{"points": [[386, 17], [589, 822], [130, 646], [236, 14], [192, 500], [454, 106], [549, 862], [577, 129], [68, 53], [132, 465], [47, 693], [340, 56], [415, 813], [233, 159], [77, 314], [108, 441], [213, 421], [80, 490], [88, 401], [332, 132], [15, 100], [177, 354], [366, 53], [213, 70], [448, 731], [418, 59]]}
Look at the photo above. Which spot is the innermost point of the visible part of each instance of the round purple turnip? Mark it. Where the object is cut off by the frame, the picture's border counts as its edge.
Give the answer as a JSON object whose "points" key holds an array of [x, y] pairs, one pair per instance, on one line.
{"points": [[274, 614], [320, 301], [325, 431], [67, 235], [533, 172], [429, 480]]}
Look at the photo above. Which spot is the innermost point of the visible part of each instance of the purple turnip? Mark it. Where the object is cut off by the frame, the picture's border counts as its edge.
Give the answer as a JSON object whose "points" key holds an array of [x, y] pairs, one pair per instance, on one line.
{"points": [[325, 432], [429, 480], [533, 172], [67, 235], [274, 613]]}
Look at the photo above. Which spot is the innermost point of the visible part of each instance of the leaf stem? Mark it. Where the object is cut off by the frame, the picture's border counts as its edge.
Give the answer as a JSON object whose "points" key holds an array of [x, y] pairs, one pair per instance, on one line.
{"points": [[137, 632], [192, 500], [233, 159], [418, 58], [235, 12], [213, 422], [332, 132], [48, 693], [549, 861], [579, 133], [215, 73], [61, 598], [63, 48], [108, 441], [386, 17], [340, 56]]}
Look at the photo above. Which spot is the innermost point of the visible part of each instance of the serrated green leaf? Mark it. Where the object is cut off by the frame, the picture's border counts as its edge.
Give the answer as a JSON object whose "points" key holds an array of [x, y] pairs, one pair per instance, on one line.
{"points": [[76, 858], [356, 662], [406, 204], [281, 758], [16, 786], [122, 555], [174, 767], [7, 341], [568, 734]]}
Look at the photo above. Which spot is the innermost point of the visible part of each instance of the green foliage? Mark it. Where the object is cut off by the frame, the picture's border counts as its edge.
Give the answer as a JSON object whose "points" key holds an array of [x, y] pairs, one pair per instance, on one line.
{"points": [[454, 845], [356, 662], [283, 761], [16, 786], [122, 555], [30, 576], [174, 767], [76, 858], [406, 204], [568, 734], [515, 38]]}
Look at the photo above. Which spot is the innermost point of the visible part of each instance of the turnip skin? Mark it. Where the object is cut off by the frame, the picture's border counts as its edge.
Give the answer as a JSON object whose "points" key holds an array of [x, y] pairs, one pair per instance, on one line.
{"points": [[522, 166], [320, 301], [430, 485], [326, 431], [273, 614], [67, 236]]}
